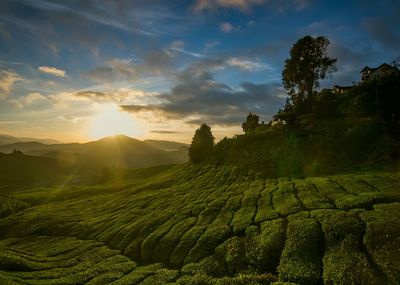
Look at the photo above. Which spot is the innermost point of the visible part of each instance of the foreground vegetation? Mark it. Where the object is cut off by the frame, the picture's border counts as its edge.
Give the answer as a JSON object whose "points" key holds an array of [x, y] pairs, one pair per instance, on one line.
{"points": [[205, 225]]}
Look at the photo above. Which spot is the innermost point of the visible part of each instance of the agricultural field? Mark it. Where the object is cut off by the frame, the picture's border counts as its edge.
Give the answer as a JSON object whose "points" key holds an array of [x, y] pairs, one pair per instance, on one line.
{"points": [[205, 225]]}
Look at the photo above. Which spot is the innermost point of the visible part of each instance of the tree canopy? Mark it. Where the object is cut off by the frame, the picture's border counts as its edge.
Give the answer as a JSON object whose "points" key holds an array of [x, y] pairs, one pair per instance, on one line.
{"points": [[307, 64], [202, 144], [251, 123]]}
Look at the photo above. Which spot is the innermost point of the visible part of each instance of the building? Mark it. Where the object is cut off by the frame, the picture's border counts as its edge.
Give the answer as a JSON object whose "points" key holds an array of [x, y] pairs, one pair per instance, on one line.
{"points": [[368, 73]]}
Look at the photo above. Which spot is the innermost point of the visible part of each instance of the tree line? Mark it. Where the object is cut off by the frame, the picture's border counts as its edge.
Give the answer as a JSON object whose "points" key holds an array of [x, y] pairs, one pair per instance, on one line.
{"points": [[306, 108]]}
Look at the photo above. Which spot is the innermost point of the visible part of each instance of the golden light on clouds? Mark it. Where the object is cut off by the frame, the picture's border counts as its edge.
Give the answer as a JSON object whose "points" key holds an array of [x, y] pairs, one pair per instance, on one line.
{"points": [[110, 121]]}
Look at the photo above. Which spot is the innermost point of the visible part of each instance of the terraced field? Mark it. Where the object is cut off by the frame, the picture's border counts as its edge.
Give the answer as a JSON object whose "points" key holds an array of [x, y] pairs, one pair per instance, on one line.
{"points": [[191, 225]]}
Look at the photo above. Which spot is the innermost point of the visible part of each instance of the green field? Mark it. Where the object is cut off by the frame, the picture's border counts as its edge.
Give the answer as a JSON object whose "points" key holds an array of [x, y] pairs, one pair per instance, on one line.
{"points": [[204, 225]]}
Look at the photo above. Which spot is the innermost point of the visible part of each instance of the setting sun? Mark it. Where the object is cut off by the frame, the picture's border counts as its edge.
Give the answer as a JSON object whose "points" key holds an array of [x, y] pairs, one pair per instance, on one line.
{"points": [[110, 121]]}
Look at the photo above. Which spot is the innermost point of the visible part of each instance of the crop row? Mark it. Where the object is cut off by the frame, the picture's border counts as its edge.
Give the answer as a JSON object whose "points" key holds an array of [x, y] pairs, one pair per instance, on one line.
{"points": [[296, 229]]}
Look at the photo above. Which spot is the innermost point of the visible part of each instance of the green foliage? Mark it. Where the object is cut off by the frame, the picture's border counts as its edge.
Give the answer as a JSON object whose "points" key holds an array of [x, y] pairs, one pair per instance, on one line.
{"points": [[251, 124], [202, 144], [307, 64], [301, 257], [382, 238], [264, 250], [345, 260], [206, 225]]}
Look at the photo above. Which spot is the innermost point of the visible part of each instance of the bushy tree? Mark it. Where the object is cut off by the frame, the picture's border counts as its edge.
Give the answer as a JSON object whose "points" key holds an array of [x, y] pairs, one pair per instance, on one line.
{"points": [[307, 64], [202, 144], [251, 124]]}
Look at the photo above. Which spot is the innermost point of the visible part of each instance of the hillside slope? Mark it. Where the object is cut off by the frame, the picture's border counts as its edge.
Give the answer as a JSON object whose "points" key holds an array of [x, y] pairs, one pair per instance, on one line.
{"points": [[18, 170], [207, 225]]}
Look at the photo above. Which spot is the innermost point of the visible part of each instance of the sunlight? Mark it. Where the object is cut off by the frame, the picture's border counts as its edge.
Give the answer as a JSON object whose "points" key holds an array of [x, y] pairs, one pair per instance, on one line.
{"points": [[110, 121]]}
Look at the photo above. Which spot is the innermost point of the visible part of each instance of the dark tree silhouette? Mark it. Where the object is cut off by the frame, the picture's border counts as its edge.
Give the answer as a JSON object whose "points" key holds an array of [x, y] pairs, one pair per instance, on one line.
{"points": [[308, 62], [202, 144], [251, 123]]}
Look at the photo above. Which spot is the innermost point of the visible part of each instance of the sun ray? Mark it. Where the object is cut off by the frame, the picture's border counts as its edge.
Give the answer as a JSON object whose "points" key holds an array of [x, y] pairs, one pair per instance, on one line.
{"points": [[110, 121]]}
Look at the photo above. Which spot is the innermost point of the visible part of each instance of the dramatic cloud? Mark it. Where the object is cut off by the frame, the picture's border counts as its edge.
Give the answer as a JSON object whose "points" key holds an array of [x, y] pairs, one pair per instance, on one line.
{"points": [[52, 70], [7, 80], [199, 98]]}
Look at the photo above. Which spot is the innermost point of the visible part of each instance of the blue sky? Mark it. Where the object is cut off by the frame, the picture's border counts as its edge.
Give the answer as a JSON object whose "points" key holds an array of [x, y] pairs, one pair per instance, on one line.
{"points": [[170, 65]]}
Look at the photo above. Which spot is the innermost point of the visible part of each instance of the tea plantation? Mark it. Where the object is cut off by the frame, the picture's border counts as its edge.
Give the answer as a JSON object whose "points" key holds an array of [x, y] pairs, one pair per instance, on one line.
{"points": [[205, 225]]}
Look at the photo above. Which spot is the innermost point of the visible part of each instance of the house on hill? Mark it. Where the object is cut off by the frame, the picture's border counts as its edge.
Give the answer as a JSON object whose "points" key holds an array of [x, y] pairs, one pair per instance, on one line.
{"points": [[368, 73]]}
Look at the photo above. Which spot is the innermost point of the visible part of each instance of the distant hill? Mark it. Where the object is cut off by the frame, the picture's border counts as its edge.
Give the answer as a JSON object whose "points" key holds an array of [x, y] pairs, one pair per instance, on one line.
{"points": [[7, 139], [168, 145], [19, 170], [25, 147], [175, 149], [123, 151], [116, 151]]}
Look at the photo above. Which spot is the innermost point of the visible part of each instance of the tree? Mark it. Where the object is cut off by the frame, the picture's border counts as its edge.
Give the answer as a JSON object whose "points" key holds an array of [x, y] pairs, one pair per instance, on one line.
{"points": [[251, 123], [202, 144], [307, 64]]}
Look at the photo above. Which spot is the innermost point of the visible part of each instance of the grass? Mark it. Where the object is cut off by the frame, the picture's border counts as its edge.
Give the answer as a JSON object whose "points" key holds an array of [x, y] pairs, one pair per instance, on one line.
{"points": [[204, 225]]}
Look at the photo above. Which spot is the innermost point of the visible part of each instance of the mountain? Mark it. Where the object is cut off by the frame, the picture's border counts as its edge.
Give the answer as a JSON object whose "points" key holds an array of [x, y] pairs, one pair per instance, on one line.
{"points": [[123, 151], [115, 151], [7, 139]]}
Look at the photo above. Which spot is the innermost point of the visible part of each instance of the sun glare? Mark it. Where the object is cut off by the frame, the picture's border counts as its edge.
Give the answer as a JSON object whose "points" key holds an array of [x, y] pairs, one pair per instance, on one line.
{"points": [[110, 121]]}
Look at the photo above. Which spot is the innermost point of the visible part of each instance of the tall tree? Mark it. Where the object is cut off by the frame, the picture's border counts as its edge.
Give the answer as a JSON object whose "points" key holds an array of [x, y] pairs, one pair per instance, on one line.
{"points": [[307, 64], [202, 144], [251, 123]]}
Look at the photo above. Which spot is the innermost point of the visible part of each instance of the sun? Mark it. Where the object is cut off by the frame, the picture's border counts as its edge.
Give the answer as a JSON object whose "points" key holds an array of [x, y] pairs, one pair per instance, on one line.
{"points": [[110, 121]]}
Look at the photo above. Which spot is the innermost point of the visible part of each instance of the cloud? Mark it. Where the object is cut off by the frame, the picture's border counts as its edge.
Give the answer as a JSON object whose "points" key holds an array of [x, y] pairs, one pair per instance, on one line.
{"points": [[157, 62], [199, 98], [163, 132], [247, 64], [7, 80], [52, 70], [247, 5], [349, 62], [120, 96], [226, 27], [33, 100], [71, 119], [179, 46], [383, 31], [243, 5]]}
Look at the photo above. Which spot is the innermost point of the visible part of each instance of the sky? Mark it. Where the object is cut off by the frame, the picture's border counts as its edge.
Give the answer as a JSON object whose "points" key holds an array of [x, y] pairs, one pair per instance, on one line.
{"points": [[79, 70]]}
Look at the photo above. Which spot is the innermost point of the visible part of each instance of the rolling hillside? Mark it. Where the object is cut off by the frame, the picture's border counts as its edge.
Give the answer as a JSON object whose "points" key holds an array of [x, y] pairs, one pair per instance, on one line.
{"points": [[206, 225], [18, 170], [117, 151]]}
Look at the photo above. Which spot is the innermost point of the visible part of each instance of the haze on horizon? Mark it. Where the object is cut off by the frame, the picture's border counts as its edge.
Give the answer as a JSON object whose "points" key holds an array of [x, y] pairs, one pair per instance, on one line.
{"points": [[81, 70]]}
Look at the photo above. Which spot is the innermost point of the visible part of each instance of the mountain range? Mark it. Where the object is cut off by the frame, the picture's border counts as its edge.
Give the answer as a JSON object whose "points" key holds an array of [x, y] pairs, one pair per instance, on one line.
{"points": [[116, 151]]}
